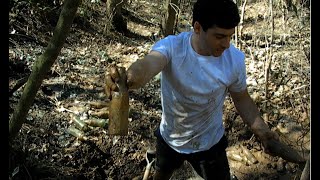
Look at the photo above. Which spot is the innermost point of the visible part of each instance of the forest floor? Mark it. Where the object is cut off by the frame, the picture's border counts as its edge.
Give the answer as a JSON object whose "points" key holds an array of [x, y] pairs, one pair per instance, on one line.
{"points": [[44, 149]]}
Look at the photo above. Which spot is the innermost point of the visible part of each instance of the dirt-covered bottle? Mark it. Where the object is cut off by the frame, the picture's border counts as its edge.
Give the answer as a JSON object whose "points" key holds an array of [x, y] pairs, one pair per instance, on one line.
{"points": [[119, 106]]}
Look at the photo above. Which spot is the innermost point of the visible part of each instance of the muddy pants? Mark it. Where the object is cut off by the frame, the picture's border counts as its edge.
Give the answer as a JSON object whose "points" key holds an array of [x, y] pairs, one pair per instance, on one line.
{"points": [[211, 164]]}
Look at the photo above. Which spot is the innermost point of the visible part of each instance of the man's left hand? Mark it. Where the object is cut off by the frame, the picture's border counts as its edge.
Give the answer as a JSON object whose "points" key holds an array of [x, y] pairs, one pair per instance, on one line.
{"points": [[265, 136]]}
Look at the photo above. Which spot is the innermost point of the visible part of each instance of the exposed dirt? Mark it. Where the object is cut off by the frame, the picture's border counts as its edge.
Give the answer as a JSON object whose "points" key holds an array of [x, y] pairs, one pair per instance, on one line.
{"points": [[44, 149]]}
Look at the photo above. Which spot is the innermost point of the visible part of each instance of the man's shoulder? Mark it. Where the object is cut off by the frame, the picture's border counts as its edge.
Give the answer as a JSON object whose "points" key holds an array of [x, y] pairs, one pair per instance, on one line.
{"points": [[176, 38], [236, 52], [175, 42], [173, 45]]}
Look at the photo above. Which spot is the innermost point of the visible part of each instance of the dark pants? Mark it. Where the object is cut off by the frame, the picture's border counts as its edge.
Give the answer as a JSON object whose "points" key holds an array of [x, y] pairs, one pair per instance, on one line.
{"points": [[210, 164]]}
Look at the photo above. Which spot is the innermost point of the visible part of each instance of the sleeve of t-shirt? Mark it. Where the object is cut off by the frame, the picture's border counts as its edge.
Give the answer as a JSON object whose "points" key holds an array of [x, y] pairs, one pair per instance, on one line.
{"points": [[164, 46], [239, 83]]}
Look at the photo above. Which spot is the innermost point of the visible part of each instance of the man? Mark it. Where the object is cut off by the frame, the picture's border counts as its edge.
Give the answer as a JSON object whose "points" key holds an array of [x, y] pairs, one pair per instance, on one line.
{"points": [[198, 69]]}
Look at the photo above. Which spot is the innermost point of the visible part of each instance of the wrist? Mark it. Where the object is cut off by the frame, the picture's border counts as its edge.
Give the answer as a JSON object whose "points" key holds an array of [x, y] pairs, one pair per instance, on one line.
{"points": [[259, 127]]}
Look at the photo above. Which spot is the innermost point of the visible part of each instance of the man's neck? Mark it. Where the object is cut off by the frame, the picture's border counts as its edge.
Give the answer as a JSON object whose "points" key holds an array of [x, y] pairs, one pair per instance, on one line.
{"points": [[195, 42]]}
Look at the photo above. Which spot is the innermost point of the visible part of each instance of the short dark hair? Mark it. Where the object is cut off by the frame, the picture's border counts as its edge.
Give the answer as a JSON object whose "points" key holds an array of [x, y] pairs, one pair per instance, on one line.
{"points": [[220, 13]]}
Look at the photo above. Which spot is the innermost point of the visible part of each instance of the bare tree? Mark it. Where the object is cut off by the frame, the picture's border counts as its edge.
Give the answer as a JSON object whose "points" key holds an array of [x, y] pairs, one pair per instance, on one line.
{"points": [[115, 18], [42, 65], [169, 20]]}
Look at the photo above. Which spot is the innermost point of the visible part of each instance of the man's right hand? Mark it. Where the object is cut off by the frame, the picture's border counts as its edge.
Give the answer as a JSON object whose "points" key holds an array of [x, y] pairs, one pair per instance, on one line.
{"points": [[111, 79], [138, 74]]}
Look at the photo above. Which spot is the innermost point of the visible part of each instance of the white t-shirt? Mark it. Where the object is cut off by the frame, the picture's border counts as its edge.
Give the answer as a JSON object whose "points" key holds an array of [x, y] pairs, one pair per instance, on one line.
{"points": [[193, 90]]}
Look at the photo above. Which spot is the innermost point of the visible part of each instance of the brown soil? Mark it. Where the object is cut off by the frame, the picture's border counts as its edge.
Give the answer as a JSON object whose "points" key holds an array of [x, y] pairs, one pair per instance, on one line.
{"points": [[44, 150]]}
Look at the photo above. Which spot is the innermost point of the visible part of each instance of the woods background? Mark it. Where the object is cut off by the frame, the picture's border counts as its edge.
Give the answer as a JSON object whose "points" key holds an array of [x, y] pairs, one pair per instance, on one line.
{"points": [[58, 53]]}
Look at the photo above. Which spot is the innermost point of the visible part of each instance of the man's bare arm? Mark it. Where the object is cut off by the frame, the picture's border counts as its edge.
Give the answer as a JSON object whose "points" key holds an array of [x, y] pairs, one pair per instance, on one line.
{"points": [[248, 111], [141, 71], [138, 74], [251, 116]]}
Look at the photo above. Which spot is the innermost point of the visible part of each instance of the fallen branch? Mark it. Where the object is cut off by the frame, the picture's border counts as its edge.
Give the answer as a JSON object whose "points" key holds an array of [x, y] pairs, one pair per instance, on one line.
{"points": [[300, 87]]}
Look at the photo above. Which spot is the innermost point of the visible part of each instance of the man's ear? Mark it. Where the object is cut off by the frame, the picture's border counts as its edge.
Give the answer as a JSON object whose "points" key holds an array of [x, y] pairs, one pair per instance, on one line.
{"points": [[197, 27]]}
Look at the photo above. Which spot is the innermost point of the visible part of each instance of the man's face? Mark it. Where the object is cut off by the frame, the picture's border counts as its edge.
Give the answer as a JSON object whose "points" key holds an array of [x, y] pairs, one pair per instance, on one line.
{"points": [[215, 40]]}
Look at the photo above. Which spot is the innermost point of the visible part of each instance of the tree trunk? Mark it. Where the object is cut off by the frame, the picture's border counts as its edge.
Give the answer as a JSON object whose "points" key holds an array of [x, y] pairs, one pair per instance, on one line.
{"points": [[42, 65], [170, 17], [114, 11]]}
